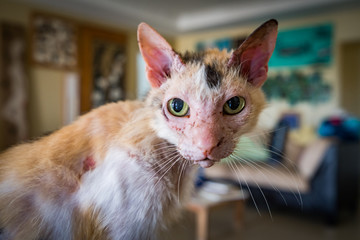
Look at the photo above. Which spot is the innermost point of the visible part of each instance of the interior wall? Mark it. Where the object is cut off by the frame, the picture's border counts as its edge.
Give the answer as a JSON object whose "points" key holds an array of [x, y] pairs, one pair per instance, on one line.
{"points": [[346, 29], [45, 100], [46, 84]]}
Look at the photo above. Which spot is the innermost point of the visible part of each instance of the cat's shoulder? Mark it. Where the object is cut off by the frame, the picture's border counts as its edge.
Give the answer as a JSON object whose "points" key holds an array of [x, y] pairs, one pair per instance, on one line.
{"points": [[117, 108], [110, 114]]}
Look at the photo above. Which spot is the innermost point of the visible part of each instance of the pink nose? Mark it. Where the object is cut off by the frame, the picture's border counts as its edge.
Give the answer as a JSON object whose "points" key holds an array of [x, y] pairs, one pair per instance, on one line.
{"points": [[205, 140]]}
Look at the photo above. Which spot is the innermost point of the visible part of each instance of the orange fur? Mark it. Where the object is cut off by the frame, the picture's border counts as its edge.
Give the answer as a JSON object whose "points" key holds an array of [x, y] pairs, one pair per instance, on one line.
{"points": [[52, 166]]}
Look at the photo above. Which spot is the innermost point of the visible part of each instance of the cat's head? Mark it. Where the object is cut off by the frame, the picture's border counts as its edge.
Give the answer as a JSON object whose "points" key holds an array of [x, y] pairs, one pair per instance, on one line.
{"points": [[204, 102]]}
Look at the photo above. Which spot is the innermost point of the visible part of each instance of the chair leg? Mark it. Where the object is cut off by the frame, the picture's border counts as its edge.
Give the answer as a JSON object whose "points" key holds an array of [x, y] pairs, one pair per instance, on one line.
{"points": [[202, 224]]}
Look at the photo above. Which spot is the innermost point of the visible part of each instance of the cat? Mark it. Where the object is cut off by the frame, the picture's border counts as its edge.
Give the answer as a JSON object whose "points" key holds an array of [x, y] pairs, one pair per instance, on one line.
{"points": [[125, 170]]}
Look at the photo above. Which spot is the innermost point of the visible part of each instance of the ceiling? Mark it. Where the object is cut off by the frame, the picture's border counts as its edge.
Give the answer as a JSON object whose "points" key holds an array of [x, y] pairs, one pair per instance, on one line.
{"points": [[181, 16]]}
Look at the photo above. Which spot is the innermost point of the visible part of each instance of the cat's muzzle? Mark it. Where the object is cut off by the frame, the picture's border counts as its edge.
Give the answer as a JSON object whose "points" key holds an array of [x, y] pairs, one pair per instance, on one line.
{"points": [[205, 163]]}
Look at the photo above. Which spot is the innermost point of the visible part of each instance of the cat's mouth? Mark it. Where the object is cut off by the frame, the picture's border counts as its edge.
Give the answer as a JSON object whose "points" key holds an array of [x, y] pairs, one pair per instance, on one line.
{"points": [[205, 163]]}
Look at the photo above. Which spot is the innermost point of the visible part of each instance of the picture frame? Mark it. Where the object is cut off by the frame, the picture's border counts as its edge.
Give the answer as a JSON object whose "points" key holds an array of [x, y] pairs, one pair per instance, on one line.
{"points": [[54, 41], [102, 67]]}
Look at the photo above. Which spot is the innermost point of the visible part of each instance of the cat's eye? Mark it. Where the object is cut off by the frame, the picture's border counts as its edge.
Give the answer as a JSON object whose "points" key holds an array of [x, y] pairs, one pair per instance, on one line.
{"points": [[178, 107], [234, 105]]}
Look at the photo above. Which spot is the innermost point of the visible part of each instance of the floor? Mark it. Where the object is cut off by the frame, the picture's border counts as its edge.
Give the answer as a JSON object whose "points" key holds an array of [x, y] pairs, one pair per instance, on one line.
{"points": [[281, 226]]}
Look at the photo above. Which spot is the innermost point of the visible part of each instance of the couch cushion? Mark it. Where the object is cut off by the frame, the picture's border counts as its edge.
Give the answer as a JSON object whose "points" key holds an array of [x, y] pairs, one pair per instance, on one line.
{"points": [[311, 157], [292, 153]]}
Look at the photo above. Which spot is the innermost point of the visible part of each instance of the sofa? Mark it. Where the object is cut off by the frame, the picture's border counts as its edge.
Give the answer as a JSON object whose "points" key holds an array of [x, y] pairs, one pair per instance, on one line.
{"points": [[321, 178]]}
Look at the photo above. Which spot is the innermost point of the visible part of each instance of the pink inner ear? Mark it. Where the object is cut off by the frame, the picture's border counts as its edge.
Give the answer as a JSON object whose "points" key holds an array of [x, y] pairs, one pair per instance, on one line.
{"points": [[254, 65], [158, 66], [254, 53], [159, 57]]}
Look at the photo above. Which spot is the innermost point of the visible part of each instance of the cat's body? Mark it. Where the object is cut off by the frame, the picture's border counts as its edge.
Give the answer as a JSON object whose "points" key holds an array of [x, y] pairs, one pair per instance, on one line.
{"points": [[125, 169], [83, 184]]}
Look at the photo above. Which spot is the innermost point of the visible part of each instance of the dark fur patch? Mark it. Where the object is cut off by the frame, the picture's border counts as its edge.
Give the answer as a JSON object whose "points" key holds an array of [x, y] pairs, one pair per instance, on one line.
{"points": [[213, 76], [192, 57]]}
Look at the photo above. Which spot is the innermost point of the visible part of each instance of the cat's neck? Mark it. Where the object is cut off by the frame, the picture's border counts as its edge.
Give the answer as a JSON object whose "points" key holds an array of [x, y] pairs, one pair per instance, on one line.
{"points": [[160, 157]]}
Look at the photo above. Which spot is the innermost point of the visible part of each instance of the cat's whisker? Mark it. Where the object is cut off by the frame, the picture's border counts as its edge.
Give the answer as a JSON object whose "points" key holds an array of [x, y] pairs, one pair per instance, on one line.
{"points": [[164, 165], [262, 132], [175, 162], [183, 167], [261, 191], [231, 165], [279, 153], [178, 180], [164, 143], [165, 148], [13, 201], [260, 169], [297, 195], [166, 155], [296, 176], [161, 147]]}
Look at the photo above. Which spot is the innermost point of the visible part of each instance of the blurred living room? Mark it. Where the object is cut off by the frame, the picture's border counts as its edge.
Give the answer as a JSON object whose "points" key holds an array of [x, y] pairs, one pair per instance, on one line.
{"points": [[299, 173]]}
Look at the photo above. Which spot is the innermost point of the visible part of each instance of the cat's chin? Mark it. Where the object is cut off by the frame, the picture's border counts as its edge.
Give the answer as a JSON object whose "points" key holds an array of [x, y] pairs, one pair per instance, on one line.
{"points": [[205, 163]]}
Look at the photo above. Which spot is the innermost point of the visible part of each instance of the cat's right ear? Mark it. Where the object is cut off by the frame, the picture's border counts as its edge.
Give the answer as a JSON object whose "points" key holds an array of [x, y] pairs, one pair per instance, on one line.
{"points": [[159, 56], [253, 55]]}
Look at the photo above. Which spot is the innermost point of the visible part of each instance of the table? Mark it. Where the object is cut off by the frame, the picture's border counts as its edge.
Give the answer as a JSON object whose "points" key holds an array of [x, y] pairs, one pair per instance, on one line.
{"points": [[203, 202]]}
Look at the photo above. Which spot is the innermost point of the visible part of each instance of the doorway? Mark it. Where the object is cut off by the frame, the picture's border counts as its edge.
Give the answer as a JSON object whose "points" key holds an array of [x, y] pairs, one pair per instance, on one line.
{"points": [[350, 78]]}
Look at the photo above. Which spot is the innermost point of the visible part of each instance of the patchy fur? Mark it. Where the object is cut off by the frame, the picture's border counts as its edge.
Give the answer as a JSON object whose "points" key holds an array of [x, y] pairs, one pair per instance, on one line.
{"points": [[124, 170]]}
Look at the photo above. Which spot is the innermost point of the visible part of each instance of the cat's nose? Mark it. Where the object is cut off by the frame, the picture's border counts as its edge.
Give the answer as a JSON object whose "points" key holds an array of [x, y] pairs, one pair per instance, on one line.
{"points": [[206, 145], [205, 140]]}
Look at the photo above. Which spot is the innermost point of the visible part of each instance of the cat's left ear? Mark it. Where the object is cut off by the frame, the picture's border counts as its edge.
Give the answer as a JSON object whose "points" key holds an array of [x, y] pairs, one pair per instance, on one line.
{"points": [[254, 53], [159, 56]]}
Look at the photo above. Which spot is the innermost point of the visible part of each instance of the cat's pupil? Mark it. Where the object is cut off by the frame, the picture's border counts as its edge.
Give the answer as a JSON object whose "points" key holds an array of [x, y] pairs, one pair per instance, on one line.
{"points": [[233, 103], [177, 104]]}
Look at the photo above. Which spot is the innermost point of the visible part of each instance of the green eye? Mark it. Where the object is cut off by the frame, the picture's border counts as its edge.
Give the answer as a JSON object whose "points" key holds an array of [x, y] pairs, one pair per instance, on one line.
{"points": [[234, 105], [178, 107]]}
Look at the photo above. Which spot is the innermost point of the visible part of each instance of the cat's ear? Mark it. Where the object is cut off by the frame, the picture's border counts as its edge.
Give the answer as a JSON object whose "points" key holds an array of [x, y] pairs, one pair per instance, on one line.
{"points": [[159, 57], [254, 53]]}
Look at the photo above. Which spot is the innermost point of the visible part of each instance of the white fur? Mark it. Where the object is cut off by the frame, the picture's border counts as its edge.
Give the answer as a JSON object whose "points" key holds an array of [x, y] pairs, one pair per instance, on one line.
{"points": [[60, 214], [47, 213], [203, 90], [123, 191], [162, 130]]}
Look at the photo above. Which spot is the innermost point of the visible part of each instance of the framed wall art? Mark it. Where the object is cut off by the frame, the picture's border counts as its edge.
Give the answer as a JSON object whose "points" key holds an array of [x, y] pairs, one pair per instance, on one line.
{"points": [[310, 45], [54, 41], [102, 64]]}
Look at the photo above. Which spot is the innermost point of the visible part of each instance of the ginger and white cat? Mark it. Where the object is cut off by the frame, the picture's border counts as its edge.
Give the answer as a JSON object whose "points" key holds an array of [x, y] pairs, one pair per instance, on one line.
{"points": [[124, 170]]}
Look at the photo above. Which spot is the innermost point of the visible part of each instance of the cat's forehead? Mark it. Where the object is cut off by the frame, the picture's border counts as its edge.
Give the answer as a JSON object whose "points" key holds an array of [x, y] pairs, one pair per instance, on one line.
{"points": [[206, 76]]}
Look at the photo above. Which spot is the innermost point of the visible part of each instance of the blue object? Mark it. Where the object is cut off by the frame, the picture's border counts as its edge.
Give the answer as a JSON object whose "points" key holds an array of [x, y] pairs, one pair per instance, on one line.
{"points": [[277, 142], [347, 129]]}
